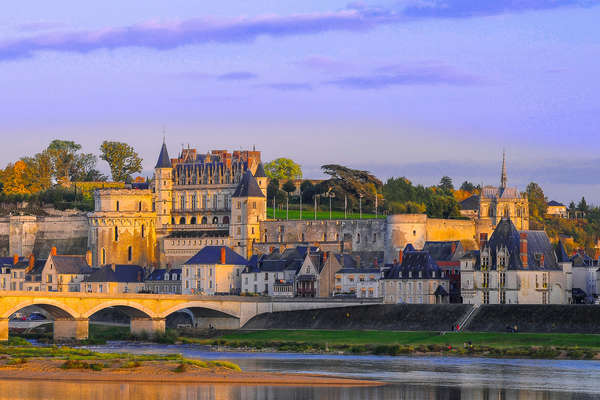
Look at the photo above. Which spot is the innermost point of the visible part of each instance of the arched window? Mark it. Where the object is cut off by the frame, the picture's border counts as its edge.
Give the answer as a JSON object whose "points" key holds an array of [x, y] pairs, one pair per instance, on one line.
{"points": [[143, 230], [182, 221], [204, 221], [193, 221], [172, 220], [358, 238], [103, 256], [117, 205], [139, 206], [116, 234], [215, 220], [226, 220], [129, 253]]}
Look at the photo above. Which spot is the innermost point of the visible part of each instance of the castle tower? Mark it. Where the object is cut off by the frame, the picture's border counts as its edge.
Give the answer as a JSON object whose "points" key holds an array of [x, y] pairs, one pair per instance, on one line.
{"points": [[249, 206], [163, 186], [261, 178]]}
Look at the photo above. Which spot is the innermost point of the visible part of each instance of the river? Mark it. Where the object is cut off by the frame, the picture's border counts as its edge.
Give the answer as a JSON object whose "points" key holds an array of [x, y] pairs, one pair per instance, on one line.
{"points": [[408, 377]]}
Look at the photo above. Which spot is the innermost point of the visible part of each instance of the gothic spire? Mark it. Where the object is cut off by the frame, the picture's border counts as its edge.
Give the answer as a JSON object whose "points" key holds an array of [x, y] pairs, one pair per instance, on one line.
{"points": [[503, 178], [163, 159]]}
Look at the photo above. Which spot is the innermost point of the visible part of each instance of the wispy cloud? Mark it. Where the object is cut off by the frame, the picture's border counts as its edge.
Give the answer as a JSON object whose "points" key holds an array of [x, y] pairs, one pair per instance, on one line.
{"points": [[170, 35], [237, 76], [402, 75], [479, 8], [324, 64], [288, 86]]}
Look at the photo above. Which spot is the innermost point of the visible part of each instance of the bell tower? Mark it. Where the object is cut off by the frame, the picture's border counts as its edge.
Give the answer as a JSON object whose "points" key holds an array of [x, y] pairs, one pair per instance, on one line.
{"points": [[163, 186]]}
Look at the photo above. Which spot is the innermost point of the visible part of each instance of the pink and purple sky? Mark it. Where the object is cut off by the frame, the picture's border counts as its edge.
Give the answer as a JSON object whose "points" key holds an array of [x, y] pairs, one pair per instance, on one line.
{"points": [[416, 88]]}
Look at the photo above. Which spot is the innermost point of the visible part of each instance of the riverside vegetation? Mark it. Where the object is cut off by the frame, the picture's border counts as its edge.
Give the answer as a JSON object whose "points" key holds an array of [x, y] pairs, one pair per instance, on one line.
{"points": [[19, 351]]}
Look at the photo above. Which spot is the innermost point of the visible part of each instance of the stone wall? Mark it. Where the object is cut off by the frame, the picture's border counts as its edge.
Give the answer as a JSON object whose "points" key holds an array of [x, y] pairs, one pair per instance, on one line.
{"points": [[24, 235], [400, 317], [537, 318]]}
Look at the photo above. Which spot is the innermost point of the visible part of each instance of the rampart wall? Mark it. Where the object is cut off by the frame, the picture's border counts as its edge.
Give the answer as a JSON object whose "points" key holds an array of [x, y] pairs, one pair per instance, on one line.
{"points": [[25, 235]]}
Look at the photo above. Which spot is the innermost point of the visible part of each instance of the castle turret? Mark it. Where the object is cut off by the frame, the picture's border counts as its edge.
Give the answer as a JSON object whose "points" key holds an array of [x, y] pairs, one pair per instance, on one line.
{"points": [[163, 186], [503, 178], [249, 206], [261, 178]]}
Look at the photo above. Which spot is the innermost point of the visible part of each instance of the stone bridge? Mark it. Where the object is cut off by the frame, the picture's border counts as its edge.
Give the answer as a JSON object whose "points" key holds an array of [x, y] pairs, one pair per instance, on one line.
{"points": [[71, 310]]}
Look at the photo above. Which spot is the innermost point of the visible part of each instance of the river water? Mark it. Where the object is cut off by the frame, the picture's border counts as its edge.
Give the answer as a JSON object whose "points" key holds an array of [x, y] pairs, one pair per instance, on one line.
{"points": [[443, 378]]}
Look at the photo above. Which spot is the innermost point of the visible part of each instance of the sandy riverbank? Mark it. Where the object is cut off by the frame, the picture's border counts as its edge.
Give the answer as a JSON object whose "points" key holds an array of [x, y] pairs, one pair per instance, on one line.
{"points": [[163, 372]]}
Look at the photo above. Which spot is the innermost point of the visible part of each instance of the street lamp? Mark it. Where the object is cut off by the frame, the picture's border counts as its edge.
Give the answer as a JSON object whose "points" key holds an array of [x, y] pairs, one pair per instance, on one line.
{"points": [[360, 196], [301, 205], [331, 195]]}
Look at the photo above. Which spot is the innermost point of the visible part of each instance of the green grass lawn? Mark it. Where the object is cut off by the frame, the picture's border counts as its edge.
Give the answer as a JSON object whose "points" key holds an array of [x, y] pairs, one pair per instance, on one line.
{"points": [[321, 214], [498, 340]]}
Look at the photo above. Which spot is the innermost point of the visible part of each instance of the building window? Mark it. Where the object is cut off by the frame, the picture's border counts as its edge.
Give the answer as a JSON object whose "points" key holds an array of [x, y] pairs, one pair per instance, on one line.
{"points": [[182, 221], [486, 297], [143, 230], [140, 206], [215, 220], [226, 220], [238, 204], [103, 256], [117, 207], [129, 253], [253, 204], [116, 234], [204, 221]]}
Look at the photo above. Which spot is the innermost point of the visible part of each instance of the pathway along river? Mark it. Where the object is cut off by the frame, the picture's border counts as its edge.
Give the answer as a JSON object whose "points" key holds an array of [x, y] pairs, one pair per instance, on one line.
{"points": [[408, 377]]}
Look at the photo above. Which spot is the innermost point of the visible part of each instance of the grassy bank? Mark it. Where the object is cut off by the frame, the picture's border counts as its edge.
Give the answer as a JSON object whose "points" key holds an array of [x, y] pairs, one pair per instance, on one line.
{"points": [[527, 345]]}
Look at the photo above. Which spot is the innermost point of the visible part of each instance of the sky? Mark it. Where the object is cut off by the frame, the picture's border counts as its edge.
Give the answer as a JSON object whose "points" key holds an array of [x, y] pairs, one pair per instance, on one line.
{"points": [[415, 88]]}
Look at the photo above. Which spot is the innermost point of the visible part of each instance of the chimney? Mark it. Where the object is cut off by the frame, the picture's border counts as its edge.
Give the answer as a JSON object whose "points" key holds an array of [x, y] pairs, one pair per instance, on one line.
{"points": [[400, 256], [31, 263], [139, 276], [375, 263], [483, 238], [271, 249], [542, 260], [88, 257], [15, 259], [325, 254], [113, 267], [53, 250], [523, 247], [223, 255], [453, 247]]}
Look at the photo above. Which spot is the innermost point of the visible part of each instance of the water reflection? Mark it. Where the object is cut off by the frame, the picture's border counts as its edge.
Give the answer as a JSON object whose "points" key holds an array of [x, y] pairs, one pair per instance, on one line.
{"points": [[23, 390]]}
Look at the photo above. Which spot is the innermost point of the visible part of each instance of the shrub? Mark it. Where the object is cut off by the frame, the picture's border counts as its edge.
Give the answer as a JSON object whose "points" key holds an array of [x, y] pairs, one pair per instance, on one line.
{"points": [[182, 367], [131, 364]]}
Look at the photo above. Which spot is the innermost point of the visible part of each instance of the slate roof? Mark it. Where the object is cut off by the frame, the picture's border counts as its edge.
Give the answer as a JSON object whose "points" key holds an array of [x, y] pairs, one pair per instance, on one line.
{"points": [[71, 265], [506, 235], [260, 171], [159, 275], [163, 159], [212, 255], [555, 204], [470, 203], [493, 192], [122, 273], [248, 187], [581, 259], [561, 254], [415, 262], [442, 251], [290, 260], [9, 260]]}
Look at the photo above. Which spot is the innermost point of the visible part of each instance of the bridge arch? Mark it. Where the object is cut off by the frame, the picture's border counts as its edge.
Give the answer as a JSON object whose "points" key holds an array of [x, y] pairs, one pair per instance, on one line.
{"points": [[57, 309], [197, 305], [132, 309]]}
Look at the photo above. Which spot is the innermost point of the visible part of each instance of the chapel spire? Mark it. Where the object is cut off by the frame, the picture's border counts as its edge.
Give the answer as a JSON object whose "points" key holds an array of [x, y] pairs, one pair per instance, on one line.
{"points": [[503, 178]]}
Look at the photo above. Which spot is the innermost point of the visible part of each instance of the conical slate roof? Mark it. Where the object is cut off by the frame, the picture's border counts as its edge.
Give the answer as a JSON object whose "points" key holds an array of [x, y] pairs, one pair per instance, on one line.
{"points": [[248, 187], [163, 159], [260, 171]]}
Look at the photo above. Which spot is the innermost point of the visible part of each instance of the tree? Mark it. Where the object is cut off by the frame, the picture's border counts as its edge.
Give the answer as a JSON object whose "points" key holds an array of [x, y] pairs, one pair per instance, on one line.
{"points": [[307, 190], [122, 160], [469, 187], [283, 169], [583, 206], [446, 185], [538, 204], [66, 162], [289, 187], [350, 184]]}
